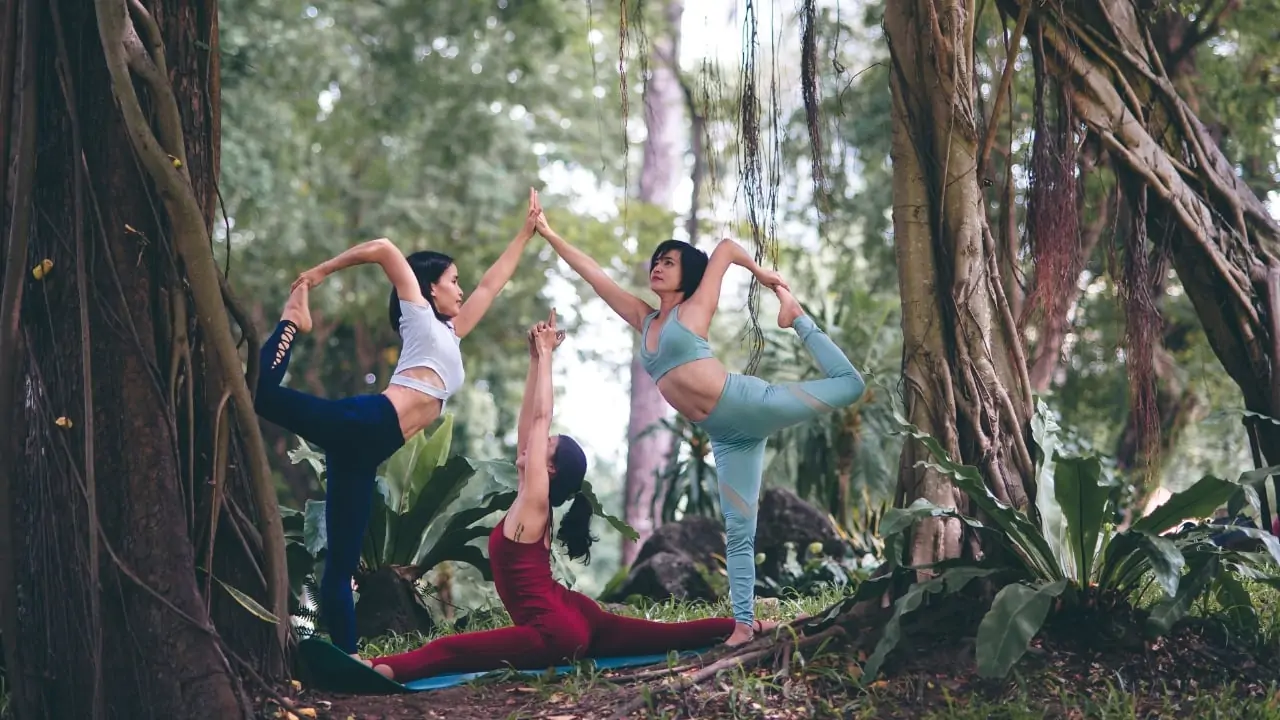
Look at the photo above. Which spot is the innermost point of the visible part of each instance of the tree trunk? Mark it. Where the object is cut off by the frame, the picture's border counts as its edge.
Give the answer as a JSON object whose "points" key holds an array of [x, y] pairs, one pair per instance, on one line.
{"points": [[965, 379], [135, 484], [648, 443], [1223, 241]]}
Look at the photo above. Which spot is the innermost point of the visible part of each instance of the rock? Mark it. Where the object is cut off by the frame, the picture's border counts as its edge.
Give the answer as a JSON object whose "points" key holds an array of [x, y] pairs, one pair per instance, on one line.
{"points": [[677, 561], [698, 538], [389, 603], [785, 518]]}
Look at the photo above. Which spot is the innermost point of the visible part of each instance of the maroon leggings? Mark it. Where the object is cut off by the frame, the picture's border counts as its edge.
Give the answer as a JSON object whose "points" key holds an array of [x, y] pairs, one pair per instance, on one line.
{"points": [[579, 628]]}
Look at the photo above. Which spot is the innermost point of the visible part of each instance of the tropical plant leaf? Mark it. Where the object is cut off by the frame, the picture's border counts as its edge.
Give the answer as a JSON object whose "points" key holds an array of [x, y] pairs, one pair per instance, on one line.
{"points": [[1007, 629], [949, 582], [1253, 477], [1053, 526], [897, 520], [315, 532], [1082, 500], [1024, 536], [497, 474], [460, 530], [312, 457], [1236, 602], [1198, 501], [1166, 613], [405, 531], [618, 524], [248, 603], [1132, 553]]}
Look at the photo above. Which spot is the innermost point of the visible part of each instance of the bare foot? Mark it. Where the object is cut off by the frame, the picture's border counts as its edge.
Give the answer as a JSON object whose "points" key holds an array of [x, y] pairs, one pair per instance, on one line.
{"points": [[296, 310], [790, 308], [385, 671]]}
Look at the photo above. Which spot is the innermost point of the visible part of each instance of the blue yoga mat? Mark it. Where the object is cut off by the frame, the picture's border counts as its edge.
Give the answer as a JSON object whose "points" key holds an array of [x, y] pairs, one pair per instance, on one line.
{"points": [[332, 669]]}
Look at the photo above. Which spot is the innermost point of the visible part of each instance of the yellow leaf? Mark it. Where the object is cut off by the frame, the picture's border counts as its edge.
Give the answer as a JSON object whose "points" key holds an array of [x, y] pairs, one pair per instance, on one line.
{"points": [[307, 712], [249, 603], [879, 684], [176, 162], [63, 422], [41, 270], [296, 685]]}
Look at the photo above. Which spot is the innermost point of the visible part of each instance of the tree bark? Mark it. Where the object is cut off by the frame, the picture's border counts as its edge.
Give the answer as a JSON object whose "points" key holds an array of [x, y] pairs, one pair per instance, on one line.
{"points": [[1222, 239], [648, 443], [131, 492], [965, 379]]}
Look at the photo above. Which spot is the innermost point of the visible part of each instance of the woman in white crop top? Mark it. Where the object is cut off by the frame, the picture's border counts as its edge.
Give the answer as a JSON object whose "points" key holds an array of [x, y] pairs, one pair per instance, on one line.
{"points": [[359, 433]]}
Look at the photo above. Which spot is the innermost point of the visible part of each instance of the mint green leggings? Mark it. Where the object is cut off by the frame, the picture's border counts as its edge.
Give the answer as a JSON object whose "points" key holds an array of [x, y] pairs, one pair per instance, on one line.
{"points": [[748, 412]]}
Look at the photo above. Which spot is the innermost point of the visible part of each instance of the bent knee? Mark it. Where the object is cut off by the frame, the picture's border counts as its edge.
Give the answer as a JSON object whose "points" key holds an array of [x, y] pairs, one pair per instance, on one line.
{"points": [[850, 390]]}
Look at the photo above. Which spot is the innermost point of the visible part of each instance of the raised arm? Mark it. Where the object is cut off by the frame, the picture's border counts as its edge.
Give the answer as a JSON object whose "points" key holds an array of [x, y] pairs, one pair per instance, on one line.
{"points": [[697, 311], [527, 405], [381, 252], [628, 306], [527, 519], [497, 276]]}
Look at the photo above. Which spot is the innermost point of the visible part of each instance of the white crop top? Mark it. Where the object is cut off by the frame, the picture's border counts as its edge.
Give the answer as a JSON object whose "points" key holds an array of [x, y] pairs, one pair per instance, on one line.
{"points": [[427, 342]]}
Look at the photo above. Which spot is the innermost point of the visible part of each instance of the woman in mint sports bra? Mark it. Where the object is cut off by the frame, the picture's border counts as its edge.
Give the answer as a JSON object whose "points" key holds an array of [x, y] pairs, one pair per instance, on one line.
{"points": [[359, 433], [738, 412]]}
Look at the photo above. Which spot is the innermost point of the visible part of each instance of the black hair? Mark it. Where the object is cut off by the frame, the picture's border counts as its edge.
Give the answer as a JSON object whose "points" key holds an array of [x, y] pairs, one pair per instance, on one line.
{"points": [[693, 263], [428, 266], [570, 463]]}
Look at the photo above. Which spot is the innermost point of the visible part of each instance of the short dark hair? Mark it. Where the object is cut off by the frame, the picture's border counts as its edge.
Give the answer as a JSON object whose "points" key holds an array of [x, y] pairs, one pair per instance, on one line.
{"points": [[428, 266], [693, 264]]}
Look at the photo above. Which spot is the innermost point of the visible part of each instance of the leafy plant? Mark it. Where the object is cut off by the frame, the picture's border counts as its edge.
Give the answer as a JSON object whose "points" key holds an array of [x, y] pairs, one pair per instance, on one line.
{"points": [[416, 522], [1072, 551]]}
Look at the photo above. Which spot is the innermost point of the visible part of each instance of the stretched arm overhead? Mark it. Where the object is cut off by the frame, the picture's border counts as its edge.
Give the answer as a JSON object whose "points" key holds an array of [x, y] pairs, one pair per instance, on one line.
{"points": [[530, 381], [527, 519], [498, 274], [697, 311], [381, 252], [628, 306]]}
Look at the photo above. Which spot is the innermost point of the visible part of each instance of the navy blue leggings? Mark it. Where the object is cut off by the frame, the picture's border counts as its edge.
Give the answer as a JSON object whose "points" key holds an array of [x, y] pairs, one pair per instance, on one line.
{"points": [[357, 434]]}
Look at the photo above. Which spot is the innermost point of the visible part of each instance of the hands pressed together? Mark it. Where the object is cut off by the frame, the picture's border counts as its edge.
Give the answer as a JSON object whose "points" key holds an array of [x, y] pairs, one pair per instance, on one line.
{"points": [[544, 337]]}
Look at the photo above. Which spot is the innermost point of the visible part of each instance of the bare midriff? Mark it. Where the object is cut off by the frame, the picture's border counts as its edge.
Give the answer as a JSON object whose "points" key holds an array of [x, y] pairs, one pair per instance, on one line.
{"points": [[416, 410], [694, 388]]}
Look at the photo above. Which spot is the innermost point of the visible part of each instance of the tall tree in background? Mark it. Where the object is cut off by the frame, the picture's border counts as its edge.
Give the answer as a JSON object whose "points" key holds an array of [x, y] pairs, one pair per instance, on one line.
{"points": [[142, 548], [964, 374], [648, 442]]}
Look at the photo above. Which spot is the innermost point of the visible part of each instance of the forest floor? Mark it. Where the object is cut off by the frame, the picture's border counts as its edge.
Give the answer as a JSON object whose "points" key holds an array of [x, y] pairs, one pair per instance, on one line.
{"points": [[1096, 667]]}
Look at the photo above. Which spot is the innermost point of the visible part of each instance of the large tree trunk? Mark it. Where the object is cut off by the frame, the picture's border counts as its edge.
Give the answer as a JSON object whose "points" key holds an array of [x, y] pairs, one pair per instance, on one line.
{"points": [[1224, 244], [648, 443], [965, 379], [136, 491]]}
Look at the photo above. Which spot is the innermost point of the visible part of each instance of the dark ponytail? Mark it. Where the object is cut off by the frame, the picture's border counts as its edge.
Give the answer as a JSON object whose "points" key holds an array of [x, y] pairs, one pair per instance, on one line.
{"points": [[575, 530], [570, 464]]}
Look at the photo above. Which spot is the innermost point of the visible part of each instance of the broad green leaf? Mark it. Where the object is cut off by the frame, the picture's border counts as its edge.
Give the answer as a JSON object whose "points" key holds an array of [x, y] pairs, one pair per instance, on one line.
{"points": [[948, 582], [1196, 502], [499, 473], [1025, 537], [1083, 503], [435, 453], [1044, 431], [1007, 629], [1236, 602], [315, 532], [312, 457], [459, 530], [1133, 553], [897, 520], [1253, 477], [1269, 541], [1203, 567], [405, 531], [248, 603], [618, 524]]}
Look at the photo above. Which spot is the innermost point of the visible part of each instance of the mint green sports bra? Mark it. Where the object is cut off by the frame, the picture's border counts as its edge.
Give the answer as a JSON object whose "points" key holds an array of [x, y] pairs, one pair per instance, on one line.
{"points": [[675, 348]]}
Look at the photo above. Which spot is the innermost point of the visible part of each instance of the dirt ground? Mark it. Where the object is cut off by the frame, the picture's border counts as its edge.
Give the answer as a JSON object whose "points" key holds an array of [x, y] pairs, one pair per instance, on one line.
{"points": [[928, 673]]}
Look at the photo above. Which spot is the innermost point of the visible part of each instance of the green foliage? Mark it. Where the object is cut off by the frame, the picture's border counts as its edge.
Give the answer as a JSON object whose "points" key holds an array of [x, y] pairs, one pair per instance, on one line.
{"points": [[1074, 553]]}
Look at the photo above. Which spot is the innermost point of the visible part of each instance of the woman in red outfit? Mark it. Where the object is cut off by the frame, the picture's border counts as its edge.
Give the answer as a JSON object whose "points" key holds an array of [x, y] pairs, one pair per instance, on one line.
{"points": [[552, 623]]}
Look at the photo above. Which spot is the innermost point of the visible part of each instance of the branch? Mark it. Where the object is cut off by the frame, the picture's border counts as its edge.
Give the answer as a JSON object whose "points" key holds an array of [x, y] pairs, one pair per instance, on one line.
{"points": [[122, 48], [15, 264], [1006, 80], [86, 360]]}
